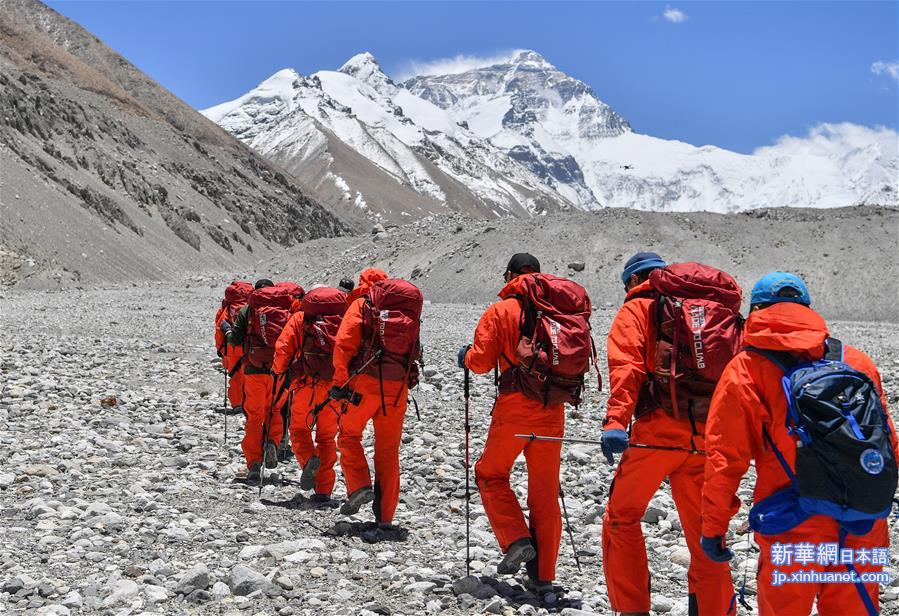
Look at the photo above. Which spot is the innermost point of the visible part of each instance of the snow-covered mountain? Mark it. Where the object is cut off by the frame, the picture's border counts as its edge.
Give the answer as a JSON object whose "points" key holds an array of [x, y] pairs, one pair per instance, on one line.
{"points": [[371, 146], [522, 137]]}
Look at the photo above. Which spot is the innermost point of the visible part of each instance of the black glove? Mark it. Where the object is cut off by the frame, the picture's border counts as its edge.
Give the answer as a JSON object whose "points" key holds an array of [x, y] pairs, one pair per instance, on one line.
{"points": [[716, 549], [225, 327], [460, 355], [339, 393]]}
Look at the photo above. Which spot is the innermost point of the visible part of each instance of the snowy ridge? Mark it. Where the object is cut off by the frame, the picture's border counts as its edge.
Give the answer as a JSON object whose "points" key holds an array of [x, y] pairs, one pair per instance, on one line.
{"points": [[411, 141], [521, 137]]}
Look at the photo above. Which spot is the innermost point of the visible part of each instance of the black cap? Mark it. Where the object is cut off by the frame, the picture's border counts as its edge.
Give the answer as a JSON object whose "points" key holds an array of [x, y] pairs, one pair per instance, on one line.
{"points": [[262, 283], [523, 263], [346, 285]]}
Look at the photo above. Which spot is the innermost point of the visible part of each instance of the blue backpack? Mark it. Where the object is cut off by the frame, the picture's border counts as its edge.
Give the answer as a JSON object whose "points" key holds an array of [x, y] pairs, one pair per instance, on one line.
{"points": [[845, 466]]}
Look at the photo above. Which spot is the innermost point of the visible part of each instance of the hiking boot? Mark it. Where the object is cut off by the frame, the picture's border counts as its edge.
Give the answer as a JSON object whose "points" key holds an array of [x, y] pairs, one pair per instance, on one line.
{"points": [[285, 453], [236, 410], [519, 552], [310, 470], [320, 498], [255, 471], [538, 587], [356, 500], [271, 455]]}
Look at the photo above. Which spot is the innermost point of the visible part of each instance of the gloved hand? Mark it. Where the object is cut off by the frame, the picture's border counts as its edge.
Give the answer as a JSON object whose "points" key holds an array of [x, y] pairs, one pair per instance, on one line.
{"points": [[460, 356], [612, 442], [716, 549], [225, 327], [339, 393]]}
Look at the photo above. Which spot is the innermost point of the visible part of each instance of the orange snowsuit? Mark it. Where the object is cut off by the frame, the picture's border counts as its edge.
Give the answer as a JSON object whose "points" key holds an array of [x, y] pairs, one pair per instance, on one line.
{"points": [[640, 472], [231, 357], [388, 421], [495, 340], [750, 397], [258, 390], [305, 394]]}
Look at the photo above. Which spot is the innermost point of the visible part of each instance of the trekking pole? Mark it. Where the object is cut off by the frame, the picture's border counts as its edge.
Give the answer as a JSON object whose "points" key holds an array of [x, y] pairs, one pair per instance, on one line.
{"points": [[568, 526], [467, 482], [318, 407], [226, 407], [582, 441]]}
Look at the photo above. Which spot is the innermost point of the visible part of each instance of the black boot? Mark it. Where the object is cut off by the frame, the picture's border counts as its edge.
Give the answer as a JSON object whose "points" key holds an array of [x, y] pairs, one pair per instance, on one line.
{"points": [[356, 500], [310, 471], [271, 455], [519, 552]]}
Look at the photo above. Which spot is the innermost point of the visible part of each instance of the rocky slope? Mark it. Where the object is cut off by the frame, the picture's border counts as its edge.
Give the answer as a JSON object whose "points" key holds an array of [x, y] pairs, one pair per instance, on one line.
{"points": [[119, 494], [849, 256], [107, 176], [522, 137]]}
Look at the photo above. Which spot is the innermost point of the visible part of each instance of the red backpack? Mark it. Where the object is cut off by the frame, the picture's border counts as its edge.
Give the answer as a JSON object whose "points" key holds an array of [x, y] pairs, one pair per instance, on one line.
{"points": [[268, 314], [236, 295], [698, 331], [391, 322], [323, 309], [555, 347]]}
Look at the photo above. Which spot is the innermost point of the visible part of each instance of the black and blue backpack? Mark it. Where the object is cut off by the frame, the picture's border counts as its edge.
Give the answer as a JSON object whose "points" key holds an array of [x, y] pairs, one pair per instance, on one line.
{"points": [[845, 465]]}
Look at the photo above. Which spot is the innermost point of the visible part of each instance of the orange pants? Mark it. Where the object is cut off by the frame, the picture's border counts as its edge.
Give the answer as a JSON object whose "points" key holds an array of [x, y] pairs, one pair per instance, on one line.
{"points": [[388, 435], [638, 477], [834, 599], [305, 398], [235, 389], [257, 390], [513, 414]]}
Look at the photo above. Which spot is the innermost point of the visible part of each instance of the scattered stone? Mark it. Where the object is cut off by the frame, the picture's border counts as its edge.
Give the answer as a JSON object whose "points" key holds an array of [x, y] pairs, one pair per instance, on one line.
{"points": [[244, 581]]}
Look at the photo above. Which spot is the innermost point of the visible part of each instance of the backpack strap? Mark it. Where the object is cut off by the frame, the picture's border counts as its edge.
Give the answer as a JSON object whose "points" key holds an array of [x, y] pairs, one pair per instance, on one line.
{"points": [[787, 362], [833, 350], [870, 608], [780, 456], [782, 359]]}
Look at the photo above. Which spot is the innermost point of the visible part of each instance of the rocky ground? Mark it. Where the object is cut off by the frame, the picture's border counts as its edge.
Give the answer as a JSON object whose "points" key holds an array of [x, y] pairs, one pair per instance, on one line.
{"points": [[119, 495]]}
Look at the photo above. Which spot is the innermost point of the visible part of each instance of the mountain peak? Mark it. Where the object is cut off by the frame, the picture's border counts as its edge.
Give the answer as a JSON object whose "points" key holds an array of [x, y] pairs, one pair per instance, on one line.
{"points": [[528, 56], [361, 65]]}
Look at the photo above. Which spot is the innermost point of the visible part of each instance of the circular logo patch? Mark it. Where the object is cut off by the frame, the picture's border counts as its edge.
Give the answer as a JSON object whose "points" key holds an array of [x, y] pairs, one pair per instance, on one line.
{"points": [[871, 461]]}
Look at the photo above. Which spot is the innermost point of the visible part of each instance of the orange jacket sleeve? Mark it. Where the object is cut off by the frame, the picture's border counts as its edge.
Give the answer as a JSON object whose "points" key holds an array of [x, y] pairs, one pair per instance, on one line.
{"points": [[348, 341], [626, 347], [288, 343], [732, 438], [495, 337]]}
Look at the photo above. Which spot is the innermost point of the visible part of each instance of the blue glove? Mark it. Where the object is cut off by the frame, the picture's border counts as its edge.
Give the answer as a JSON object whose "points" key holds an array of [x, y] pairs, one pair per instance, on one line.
{"points": [[715, 549], [225, 327], [612, 442], [460, 356]]}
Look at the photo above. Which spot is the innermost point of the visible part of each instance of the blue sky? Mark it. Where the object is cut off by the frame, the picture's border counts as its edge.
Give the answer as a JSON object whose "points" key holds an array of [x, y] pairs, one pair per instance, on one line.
{"points": [[732, 74]]}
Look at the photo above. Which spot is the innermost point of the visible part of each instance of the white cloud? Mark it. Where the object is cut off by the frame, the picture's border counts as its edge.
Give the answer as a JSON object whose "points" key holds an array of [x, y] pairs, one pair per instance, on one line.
{"points": [[886, 68], [834, 140], [451, 66], [675, 16]]}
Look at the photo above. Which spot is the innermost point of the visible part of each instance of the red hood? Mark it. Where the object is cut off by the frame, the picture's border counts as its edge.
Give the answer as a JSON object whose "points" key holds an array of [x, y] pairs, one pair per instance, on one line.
{"points": [[367, 278], [788, 327], [513, 287]]}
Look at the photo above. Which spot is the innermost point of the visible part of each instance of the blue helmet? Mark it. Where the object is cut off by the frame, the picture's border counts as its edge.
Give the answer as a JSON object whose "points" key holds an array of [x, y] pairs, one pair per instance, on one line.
{"points": [[641, 262], [767, 288]]}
